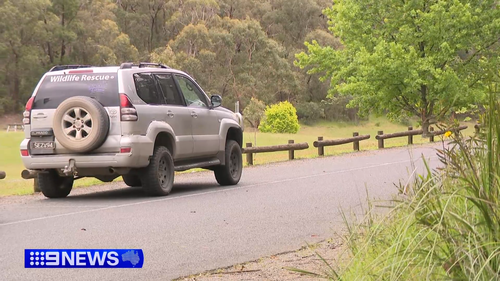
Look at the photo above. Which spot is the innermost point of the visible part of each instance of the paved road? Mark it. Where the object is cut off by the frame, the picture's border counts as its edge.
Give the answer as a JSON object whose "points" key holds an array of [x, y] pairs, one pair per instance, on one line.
{"points": [[201, 225]]}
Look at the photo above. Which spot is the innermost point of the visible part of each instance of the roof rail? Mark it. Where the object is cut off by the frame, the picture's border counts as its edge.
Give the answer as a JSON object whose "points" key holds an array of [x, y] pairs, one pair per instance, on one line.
{"points": [[127, 65], [69, 66]]}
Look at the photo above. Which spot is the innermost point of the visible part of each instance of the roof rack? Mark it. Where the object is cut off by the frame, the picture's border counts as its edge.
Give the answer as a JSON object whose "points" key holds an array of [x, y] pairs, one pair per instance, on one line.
{"points": [[69, 66], [127, 65]]}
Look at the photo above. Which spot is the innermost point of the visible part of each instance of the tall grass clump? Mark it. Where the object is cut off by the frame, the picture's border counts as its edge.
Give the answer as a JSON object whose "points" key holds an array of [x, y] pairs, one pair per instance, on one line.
{"points": [[445, 225]]}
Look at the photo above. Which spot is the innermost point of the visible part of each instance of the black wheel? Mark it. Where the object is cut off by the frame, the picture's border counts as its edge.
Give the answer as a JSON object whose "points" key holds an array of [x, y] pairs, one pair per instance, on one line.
{"points": [[131, 180], [230, 173], [54, 186], [158, 177]]}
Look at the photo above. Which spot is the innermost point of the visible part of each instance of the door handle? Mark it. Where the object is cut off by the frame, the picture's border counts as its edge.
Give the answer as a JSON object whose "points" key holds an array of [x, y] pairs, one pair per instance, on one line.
{"points": [[170, 114], [193, 114], [40, 116]]}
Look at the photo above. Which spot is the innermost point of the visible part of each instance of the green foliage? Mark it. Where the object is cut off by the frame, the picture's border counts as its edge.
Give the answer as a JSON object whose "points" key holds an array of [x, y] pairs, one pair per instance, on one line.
{"points": [[309, 112], [280, 118], [445, 225], [421, 57], [254, 112], [335, 108], [235, 48]]}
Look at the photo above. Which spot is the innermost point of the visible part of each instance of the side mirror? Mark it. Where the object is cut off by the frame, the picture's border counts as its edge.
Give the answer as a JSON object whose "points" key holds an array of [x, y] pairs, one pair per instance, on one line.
{"points": [[216, 101]]}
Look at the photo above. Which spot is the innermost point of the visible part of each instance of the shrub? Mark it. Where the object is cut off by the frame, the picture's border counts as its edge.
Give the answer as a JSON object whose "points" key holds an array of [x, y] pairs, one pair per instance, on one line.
{"points": [[280, 118], [310, 112], [336, 109]]}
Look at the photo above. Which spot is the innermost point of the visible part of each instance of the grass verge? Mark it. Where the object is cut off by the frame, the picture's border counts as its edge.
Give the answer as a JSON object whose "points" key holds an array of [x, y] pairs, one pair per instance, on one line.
{"points": [[444, 226]]}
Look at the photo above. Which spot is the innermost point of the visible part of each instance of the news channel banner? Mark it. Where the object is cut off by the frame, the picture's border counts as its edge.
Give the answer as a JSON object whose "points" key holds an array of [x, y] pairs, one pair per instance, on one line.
{"points": [[83, 258]]}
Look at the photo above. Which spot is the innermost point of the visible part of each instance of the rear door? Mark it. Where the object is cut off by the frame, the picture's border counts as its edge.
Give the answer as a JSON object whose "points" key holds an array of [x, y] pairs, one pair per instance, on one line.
{"points": [[59, 86], [206, 122], [165, 104]]}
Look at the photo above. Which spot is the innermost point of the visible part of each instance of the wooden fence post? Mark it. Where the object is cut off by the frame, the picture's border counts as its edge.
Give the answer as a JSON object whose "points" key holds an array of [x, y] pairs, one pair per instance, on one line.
{"points": [[321, 149], [380, 141], [249, 155], [291, 152], [410, 137], [431, 138], [355, 144]]}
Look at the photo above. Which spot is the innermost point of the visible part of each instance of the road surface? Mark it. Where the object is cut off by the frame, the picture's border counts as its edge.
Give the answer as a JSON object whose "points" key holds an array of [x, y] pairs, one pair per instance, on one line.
{"points": [[202, 226]]}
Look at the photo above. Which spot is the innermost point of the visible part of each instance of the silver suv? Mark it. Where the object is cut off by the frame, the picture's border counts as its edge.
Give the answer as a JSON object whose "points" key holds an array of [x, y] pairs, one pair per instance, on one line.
{"points": [[139, 121]]}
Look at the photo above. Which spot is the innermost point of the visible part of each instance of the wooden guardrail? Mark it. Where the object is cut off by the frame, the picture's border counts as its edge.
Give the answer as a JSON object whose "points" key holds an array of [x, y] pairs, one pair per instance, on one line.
{"points": [[249, 150], [410, 133], [2, 175], [356, 138]]}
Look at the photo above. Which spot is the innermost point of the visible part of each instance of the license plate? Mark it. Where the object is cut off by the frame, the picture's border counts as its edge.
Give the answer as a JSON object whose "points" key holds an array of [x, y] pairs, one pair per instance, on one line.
{"points": [[43, 145]]}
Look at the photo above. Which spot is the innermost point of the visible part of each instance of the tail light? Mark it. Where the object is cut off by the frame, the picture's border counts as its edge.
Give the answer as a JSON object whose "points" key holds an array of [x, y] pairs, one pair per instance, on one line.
{"points": [[27, 111], [127, 110], [25, 152], [125, 149]]}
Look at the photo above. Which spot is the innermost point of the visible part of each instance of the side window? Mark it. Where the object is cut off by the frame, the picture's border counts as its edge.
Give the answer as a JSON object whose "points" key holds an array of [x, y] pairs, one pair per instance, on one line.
{"points": [[147, 90], [193, 96], [167, 85]]}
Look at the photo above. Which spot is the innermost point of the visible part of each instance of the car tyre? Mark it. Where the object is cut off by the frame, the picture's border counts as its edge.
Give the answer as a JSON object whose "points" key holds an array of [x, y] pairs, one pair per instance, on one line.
{"points": [[131, 180], [81, 124], [230, 173], [158, 177], [54, 186]]}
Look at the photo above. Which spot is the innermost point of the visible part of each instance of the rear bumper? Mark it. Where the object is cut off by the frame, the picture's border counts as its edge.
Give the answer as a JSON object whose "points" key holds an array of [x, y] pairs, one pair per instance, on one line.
{"points": [[141, 150]]}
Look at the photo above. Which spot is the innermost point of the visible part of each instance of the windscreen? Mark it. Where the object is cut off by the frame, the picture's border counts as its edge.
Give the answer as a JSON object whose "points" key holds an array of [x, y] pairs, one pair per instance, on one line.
{"points": [[54, 89]]}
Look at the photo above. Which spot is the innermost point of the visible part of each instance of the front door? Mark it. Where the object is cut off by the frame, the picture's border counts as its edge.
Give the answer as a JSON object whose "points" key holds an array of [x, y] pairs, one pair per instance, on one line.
{"points": [[206, 122]]}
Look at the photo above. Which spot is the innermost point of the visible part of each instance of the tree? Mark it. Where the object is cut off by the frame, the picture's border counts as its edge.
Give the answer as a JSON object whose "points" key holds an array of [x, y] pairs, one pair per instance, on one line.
{"points": [[240, 49], [254, 112], [422, 57], [66, 11], [233, 58], [21, 28]]}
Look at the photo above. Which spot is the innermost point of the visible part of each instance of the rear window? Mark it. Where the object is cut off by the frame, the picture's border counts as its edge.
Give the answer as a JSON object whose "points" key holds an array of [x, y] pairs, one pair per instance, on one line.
{"points": [[54, 89]]}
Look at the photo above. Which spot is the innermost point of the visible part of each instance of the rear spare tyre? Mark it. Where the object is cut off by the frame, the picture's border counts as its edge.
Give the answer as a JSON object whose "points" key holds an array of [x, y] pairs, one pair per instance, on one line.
{"points": [[80, 124]]}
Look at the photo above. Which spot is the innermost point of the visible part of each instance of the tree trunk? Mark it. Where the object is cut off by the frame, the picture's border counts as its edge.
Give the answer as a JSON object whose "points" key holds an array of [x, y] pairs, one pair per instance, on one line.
{"points": [[63, 44], [425, 127], [50, 53], [17, 85]]}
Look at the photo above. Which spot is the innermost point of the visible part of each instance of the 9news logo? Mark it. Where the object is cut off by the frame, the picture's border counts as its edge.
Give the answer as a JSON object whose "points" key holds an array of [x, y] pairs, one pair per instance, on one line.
{"points": [[84, 258]]}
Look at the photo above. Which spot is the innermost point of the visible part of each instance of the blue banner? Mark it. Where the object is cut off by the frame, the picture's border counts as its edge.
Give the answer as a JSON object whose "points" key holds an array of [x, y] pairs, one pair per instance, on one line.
{"points": [[83, 258]]}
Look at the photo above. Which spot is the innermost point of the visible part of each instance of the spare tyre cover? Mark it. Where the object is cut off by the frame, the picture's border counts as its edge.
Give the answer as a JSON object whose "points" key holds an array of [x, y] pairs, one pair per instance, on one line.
{"points": [[80, 124]]}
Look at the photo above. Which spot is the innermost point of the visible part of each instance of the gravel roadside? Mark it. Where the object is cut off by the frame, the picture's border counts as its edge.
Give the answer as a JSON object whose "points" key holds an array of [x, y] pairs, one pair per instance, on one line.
{"points": [[277, 267]]}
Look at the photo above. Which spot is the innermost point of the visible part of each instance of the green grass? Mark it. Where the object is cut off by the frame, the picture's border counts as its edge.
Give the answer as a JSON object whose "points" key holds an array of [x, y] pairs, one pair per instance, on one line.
{"points": [[333, 130], [444, 225], [13, 184]]}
